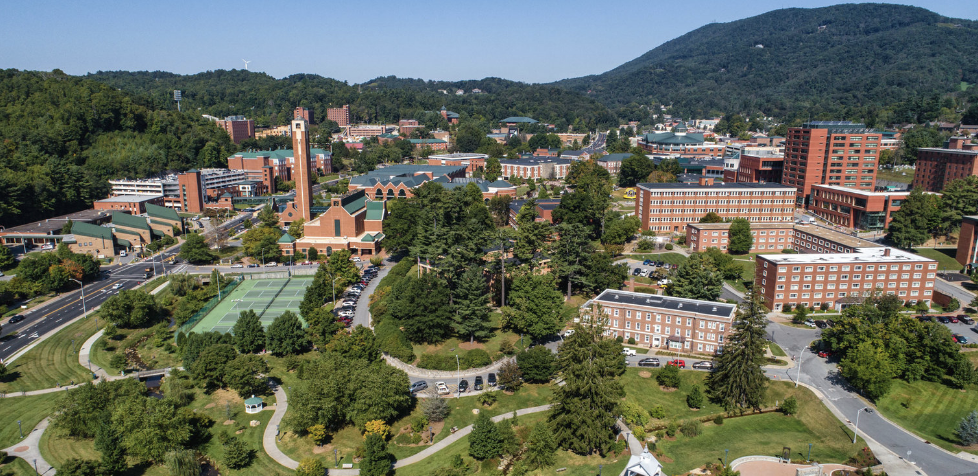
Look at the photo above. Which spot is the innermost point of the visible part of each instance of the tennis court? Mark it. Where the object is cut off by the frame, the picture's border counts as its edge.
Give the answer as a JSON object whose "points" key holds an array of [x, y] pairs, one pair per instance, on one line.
{"points": [[269, 298]]}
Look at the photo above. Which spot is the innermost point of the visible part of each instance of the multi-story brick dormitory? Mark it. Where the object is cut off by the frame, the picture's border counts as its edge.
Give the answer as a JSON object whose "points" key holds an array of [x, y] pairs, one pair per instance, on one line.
{"points": [[768, 237], [665, 322], [830, 153]]}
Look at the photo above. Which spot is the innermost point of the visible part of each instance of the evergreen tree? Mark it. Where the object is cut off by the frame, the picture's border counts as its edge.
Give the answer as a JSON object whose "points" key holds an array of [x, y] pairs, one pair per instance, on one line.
{"points": [[376, 460], [697, 278], [472, 306], [484, 441], [535, 306], [741, 240], [249, 335], [695, 397], [236, 453], [285, 335], [585, 408], [320, 290], [967, 430], [422, 306], [541, 448], [108, 442], [737, 380], [536, 364], [571, 253]]}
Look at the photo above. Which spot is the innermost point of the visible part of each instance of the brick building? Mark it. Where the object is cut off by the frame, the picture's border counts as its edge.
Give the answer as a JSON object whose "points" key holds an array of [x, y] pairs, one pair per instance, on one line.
{"points": [[536, 167], [303, 113], [967, 254], [237, 127], [768, 237], [830, 153], [664, 322], [352, 222], [758, 165], [820, 240], [854, 208], [133, 204], [612, 162], [93, 240], [472, 162], [339, 115], [669, 207], [433, 144], [842, 279], [936, 167], [545, 209], [407, 126]]}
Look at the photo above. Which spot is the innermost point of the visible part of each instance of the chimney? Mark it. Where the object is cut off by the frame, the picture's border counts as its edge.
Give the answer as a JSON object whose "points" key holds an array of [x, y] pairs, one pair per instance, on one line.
{"points": [[886, 252], [956, 143], [706, 181]]}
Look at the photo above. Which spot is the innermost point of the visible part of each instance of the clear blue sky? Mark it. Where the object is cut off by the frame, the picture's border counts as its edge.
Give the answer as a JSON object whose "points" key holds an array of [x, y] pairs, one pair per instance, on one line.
{"points": [[533, 41]]}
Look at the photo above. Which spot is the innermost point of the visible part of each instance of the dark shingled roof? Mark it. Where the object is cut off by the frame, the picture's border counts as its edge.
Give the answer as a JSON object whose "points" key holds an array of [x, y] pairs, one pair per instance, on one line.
{"points": [[708, 308]]}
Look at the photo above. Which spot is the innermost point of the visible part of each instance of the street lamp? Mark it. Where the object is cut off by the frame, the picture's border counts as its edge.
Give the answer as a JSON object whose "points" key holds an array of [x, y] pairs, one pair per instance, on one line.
{"points": [[800, 355], [600, 467], [21, 430], [336, 458], [84, 308], [725, 453], [856, 430], [458, 377], [809, 452]]}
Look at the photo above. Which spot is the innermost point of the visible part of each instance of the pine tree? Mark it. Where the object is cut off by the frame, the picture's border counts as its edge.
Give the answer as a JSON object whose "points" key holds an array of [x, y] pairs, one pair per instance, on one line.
{"points": [[695, 397], [108, 442], [741, 239], [472, 306], [968, 429], [541, 447], [586, 406], [484, 441], [737, 380], [571, 253], [697, 278], [249, 335], [236, 453], [376, 460]]}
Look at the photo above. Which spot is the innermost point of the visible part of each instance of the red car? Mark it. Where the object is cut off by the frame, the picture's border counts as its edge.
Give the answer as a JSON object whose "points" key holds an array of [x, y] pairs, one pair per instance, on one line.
{"points": [[825, 354], [954, 319], [678, 363]]}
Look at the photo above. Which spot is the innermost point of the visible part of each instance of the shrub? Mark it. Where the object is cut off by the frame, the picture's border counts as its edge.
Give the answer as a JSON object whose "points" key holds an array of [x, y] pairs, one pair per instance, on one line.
{"points": [[110, 331], [631, 341], [789, 406], [786, 309], [668, 376], [419, 424], [487, 398], [695, 397], [476, 358], [634, 414], [118, 361], [377, 427], [671, 429], [967, 430], [645, 245], [718, 420], [824, 306], [506, 348], [669, 246], [691, 428], [291, 362], [952, 305], [657, 412], [435, 409], [639, 433]]}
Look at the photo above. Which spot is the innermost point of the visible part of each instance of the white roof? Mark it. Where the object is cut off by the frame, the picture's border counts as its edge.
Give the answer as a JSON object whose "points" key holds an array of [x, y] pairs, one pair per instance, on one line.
{"points": [[861, 255], [644, 464]]}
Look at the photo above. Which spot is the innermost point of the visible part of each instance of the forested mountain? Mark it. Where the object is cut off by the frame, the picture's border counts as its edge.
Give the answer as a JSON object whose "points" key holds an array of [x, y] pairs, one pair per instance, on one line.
{"points": [[271, 101], [63, 137], [798, 62]]}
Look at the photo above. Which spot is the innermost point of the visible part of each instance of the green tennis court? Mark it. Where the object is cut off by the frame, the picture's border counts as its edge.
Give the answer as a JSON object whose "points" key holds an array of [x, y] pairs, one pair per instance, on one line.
{"points": [[269, 298]]}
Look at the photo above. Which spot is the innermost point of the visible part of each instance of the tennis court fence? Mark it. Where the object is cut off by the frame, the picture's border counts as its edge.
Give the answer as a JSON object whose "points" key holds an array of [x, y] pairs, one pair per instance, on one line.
{"points": [[207, 308]]}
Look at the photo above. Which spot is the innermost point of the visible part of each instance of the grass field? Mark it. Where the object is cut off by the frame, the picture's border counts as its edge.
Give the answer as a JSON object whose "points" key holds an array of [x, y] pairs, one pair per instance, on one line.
{"points": [[930, 410], [52, 361], [575, 465], [944, 256], [455, 345], [29, 410], [903, 176], [777, 350], [766, 434]]}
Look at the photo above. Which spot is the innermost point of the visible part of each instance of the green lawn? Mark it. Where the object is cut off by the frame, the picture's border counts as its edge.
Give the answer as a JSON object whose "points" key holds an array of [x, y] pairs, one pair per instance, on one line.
{"points": [[944, 257], [18, 466], [777, 350], [766, 434], [347, 439], [454, 346], [903, 176], [29, 410], [576, 465], [929, 409], [52, 361]]}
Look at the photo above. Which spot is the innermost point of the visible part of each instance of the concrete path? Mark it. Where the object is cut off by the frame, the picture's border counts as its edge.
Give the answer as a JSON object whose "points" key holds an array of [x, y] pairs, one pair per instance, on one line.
{"points": [[84, 357], [270, 443], [29, 450]]}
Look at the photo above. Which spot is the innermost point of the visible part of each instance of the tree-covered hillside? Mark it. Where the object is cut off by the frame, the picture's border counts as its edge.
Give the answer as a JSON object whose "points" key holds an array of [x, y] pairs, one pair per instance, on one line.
{"points": [[812, 61], [270, 101], [63, 137]]}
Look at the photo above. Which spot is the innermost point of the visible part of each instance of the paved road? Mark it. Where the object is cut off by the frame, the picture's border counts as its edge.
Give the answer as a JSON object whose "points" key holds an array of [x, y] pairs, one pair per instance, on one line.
{"points": [[50, 315], [822, 375], [361, 315], [962, 295]]}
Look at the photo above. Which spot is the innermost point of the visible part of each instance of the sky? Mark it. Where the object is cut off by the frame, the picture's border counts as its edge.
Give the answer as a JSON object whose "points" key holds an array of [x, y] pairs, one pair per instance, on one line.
{"points": [[529, 40]]}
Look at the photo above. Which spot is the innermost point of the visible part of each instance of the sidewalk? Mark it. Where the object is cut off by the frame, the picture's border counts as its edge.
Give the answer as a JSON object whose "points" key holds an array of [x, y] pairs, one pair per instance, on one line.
{"points": [[28, 450]]}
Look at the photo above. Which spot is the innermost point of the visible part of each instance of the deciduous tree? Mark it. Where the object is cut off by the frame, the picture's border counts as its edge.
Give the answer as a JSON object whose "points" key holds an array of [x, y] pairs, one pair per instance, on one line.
{"points": [[740, 236], [249, 335], [285, 335], [246, 375]]}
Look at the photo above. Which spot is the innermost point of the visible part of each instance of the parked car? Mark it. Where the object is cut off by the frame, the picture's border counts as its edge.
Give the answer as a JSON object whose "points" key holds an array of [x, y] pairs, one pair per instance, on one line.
{"points": [[660, 263], [810, 323], [463, 386], [491, 379], [925, 318], [953, 319], [253, 265], [678, 363], [568, 332], [944, 319], [628, 351], [649, 362], [356, 259], [703, 365], [664, 282], [122, 254], [442, 388], [271, 265], [418, 386], [821, 324], [960, 339], [830, 322], [965, 319], [636, 271], [477, 383], [237, 265], [825, 354], [647, 262], [15, 319]]}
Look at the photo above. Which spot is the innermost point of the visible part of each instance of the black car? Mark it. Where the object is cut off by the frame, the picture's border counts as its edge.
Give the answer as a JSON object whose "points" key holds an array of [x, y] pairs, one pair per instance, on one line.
{"points": [[463, 386], [15, 319], [660, 263], [830, 322], [965, 319], [418, 386], [703, 365], [491, 378], [477, 385], [944, 319], [821, 324], [636, 271], [649, 362], [926, 318]]}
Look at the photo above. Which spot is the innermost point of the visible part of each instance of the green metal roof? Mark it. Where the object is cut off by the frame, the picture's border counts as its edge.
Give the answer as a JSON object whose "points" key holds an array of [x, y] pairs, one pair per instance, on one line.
{"points": [[375, 210], [354, 202], [518, 119], [87, 229], [368, 238], [673, 138], [253, 401], [286, 238], [126, 220], [122, 242], [158, 233], [156, 211]]}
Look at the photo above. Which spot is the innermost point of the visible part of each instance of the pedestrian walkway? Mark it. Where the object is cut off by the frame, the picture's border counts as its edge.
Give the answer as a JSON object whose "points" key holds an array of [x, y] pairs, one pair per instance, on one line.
{"points": [[270, 438], [84, 358], [29, 450]]}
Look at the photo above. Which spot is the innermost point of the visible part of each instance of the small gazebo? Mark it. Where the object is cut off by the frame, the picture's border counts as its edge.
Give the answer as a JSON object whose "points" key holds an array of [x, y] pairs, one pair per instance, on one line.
{"points": [[254, 404]]}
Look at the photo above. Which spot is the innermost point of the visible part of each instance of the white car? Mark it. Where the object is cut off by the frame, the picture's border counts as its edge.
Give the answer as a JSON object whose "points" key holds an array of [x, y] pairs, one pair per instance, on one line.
{"points": [[271, 265], [122, 254], [238, 265], [628, 351], [356, 259], [442, 388], [568, 332], [664, 282], [117, 286]]}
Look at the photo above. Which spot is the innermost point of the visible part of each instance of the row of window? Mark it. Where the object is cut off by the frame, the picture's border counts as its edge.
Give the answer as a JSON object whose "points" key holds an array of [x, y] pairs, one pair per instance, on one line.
{"points": [[891, 284], [725, 193], [852, 294]]}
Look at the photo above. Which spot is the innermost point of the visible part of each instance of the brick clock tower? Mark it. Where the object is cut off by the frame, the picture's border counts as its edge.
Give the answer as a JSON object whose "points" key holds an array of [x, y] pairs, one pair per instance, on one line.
{"points": [[301, 171]]}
